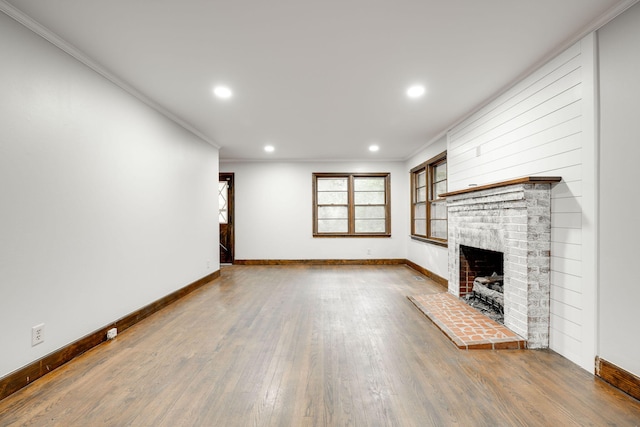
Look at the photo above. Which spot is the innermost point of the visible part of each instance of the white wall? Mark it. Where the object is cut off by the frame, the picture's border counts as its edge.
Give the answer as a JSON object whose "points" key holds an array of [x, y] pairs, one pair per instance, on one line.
{"points": [[619, 52], [274, 215], [106, 204], [432, 257], [544, 126]]}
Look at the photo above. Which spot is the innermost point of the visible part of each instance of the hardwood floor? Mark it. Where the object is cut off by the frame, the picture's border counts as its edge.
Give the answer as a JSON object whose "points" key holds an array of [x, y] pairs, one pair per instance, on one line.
{"points": [[311, 346]]}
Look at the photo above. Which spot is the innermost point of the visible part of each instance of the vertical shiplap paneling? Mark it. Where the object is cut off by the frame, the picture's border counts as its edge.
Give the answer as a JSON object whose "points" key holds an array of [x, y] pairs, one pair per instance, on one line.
{"points": [[536, 128]]}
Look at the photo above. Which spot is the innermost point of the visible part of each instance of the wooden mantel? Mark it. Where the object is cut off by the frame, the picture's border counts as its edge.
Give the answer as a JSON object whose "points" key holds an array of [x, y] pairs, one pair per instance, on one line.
{"points": [[525, 180]]}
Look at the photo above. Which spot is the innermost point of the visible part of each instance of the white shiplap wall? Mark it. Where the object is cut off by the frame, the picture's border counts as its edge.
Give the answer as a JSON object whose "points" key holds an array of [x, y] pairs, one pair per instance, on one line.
{"points": [[538, 128]]}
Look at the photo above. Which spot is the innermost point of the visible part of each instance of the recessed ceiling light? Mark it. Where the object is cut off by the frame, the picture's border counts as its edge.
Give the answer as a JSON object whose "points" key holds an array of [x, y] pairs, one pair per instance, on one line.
{"points": [[269, 148], [415, 91], [222, 92], [373, 148]]}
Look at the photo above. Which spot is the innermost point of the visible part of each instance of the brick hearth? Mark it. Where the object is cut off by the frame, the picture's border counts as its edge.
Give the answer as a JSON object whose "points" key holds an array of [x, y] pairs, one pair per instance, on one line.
{"points": [[466, 327]]}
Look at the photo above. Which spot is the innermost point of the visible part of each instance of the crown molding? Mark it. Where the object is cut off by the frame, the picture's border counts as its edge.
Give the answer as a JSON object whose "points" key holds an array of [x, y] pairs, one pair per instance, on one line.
{"points": [[332, 161], [76, 53]]}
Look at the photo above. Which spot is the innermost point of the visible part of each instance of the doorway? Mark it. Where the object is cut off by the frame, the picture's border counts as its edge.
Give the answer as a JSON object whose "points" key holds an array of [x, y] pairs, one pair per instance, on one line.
{"points": [[225, 217]]}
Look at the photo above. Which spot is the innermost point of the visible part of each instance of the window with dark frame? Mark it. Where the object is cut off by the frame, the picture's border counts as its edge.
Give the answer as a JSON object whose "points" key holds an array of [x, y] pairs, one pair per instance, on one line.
{"points": [[428, 210], [351, 205]]}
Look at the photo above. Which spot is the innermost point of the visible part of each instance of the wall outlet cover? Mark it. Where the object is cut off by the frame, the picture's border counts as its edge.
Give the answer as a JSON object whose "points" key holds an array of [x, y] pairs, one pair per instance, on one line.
{"points": [[37, 334], [112, 333]]}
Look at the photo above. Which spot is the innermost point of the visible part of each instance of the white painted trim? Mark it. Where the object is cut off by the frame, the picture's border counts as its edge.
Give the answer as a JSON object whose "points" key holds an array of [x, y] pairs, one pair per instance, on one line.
{"points": [[332, 161], [596, 188], [68, 48], [590, 224]]}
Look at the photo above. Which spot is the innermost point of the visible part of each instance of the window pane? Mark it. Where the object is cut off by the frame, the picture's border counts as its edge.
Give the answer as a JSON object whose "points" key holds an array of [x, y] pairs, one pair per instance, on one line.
{"points": [[440, 172], [333, 184], [370, 212], [223, 195], [420, 211], [369, 198], [421, 179], [368, 184], [439, 210], [420, 227], [370, 226], [439, 229], [333, 226], [333, 198], [421, 194], [440, 188], [333, 212]]}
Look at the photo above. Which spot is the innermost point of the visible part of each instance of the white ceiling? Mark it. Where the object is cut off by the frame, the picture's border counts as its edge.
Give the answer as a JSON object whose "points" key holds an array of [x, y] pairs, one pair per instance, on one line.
{"points": [[320, 79]]}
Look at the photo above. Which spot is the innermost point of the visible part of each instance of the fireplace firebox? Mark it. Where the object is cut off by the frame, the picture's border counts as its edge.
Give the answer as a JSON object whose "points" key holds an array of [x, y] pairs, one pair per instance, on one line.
{"points": [[475, 262], [482, 281]]}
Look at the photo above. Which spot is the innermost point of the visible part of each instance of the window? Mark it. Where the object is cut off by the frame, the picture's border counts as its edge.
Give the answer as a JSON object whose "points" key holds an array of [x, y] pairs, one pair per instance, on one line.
{"points": [[351, 204], [428, 210], [223, 196]]}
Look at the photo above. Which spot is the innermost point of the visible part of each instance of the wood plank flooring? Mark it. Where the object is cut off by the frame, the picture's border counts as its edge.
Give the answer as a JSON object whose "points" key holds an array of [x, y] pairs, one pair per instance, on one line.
{"points": [[311, 346]]}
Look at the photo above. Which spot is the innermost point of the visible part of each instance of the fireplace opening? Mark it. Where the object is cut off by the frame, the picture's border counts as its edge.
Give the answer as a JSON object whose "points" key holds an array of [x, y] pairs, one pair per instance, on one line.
{"points": [[482, 281]]}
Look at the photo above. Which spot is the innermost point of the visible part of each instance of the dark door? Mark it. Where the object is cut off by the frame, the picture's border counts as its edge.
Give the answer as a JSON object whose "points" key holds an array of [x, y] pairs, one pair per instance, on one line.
{"points": [[225, 206]]}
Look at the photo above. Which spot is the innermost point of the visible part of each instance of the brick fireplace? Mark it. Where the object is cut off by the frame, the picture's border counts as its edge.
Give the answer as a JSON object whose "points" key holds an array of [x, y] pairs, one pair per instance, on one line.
{"points": [[512, 218]]}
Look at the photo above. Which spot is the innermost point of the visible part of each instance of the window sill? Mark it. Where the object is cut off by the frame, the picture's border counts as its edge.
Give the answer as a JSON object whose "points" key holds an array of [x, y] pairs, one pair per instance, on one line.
{"points": [[352, 235], [436, 242]]}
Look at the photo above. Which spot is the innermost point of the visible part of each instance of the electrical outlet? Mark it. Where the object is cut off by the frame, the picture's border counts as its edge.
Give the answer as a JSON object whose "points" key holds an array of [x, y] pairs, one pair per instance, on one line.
{"points": [[208, 264], [112, 333], [368, 251], [37, 334]]}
